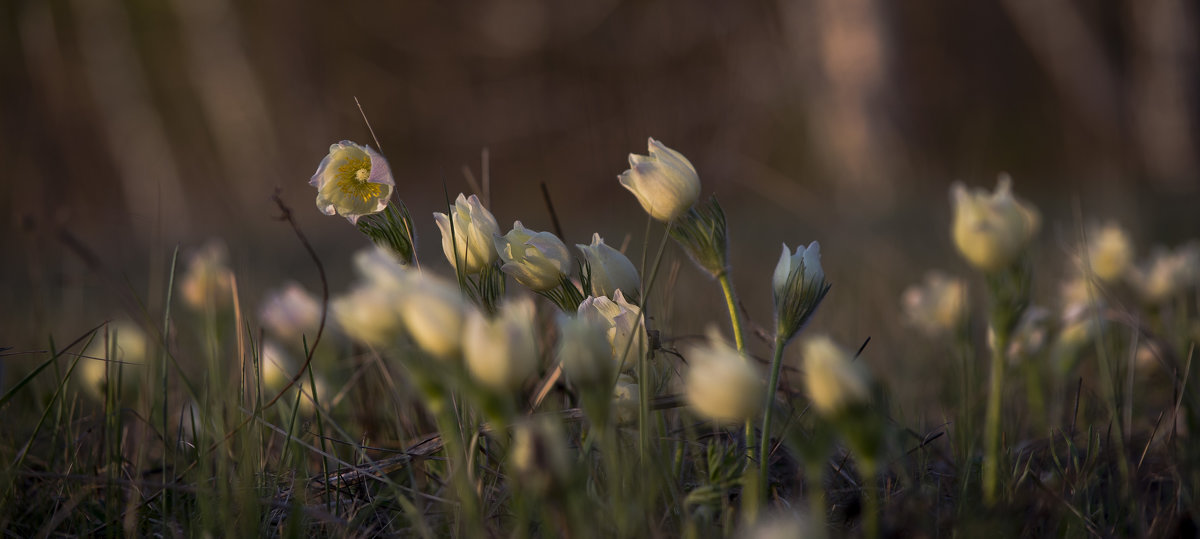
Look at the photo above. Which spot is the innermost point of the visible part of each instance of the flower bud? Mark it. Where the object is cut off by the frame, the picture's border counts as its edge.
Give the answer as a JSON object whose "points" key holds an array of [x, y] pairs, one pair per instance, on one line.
{"points": [[474, 230], [352, 181], [208, 282], [1109, 253], [799, 286], [123, 349], [584, 349], [664, 182], [991, 231], [721, 384], [368, 314], [276, 367], [624, 323], [1167, 274], [502, 352], [835, 382], [938, 306], [538, 260], [291, 312], [381, 268], [611, 270], [433, 311]]}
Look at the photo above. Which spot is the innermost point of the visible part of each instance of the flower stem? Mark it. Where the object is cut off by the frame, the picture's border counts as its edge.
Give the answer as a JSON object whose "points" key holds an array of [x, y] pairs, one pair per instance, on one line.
{"points": [[731, 302], [765, 441], [991, 461]]}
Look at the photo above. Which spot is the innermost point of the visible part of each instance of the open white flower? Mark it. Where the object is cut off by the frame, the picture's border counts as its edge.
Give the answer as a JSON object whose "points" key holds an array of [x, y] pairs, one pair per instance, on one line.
{"points": [[538, 260], [352, 181], [624, 324], [501, 352], [474, 230], [291, 312], [611, 270], [721, 385], [991, 230], [664, 182]]}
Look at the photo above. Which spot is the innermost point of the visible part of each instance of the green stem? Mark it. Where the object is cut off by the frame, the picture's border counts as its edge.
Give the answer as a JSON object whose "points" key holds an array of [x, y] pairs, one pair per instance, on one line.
{"points": [[991, 462], [731, 302], [765, 440]]}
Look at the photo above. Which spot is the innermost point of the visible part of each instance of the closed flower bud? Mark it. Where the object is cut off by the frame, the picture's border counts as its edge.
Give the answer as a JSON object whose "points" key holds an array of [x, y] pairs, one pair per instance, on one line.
{"points": [[122, 349], [1167, 274], [276, 367], [1109, 252], [381, 268], [938, 306], [502, 352], [584, 350], [538, 260], [473, 234], [799, 286], [291, 312], [721, 384], [352, 181], [834, 382], [664, 182], [368, 314], [433, 311], [992, 230], [208, 282], [611, 270], [624, 324]]}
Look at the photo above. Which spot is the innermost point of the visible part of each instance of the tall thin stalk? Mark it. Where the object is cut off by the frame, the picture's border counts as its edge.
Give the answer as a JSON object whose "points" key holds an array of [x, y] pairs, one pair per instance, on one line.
{"points": [[768, 407]]}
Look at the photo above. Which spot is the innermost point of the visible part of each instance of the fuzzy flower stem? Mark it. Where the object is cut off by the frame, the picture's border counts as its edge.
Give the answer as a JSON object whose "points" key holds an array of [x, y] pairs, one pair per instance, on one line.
{"points": [[765, 441], [991, 462], [731, 302]]}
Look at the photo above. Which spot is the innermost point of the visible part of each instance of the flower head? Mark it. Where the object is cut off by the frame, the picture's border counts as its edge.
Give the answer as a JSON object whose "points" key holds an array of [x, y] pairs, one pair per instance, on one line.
{"points": [[368, 314], [352, 181], [835, 382], [799, 286], [991, 230], [276, 366], [538, 260], [502, 352], [291, 311], [123, 347], [584, 349], [208, 282], [611, 270], [474, 230], [433, 311], [937, 306], [624, 324], [1168, 273], [664, 182], [721, 385], [1109, 252]]}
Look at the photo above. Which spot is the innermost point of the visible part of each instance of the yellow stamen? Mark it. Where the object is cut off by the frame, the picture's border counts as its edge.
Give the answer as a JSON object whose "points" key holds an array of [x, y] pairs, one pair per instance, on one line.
{"points": [[352, 179]]}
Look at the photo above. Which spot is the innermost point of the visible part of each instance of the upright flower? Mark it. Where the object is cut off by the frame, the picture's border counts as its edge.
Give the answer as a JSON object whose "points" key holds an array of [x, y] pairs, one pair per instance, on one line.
{"points": [[291, 311], [208, 281], [584, 349], [664, 182], [938, 305], [721, 385], [799, 286], [538, 260], [624, 324], [352, 181], [611, 270], [368, 314], [835, 383], [99, 365], [474, 230], [502, 352], [276, 366], [991, 230], [1109, 252], [433, 311], [1168, 273]]}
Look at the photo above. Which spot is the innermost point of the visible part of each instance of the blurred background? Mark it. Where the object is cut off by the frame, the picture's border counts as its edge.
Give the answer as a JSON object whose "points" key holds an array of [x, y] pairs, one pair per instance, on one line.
{"points": [[134, 126]]}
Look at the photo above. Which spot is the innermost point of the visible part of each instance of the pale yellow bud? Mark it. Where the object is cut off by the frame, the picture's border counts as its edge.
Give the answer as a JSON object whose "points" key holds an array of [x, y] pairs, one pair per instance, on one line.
{"points": [[584, 349], [538, 260], [501, 353], [291, 312], [208, 282], [937, 306], [991, 230], [433, 311], [474, 231], [368, 314], [1109, 252], [664, 182], [101, 364], [611, 270], [721, 384], [835, 382], [1168, 273]]}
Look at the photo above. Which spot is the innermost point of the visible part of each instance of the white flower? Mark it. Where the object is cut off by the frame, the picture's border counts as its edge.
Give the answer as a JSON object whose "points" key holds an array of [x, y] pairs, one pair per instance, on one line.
{"points": [[99, 364], [208, 282], [473, 234], [799, 286], [937, 306], [1167, 274], [834, 381], [291, 312], [721, 384], [991, 230], [1028, 337], [502, 352], [624, 323], [1109, 252], [664, 182], [433, 311], [538, 260], [352, 181], [584, 349], [611, 270], [368, 314], [276, 366], [381, 268]]}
